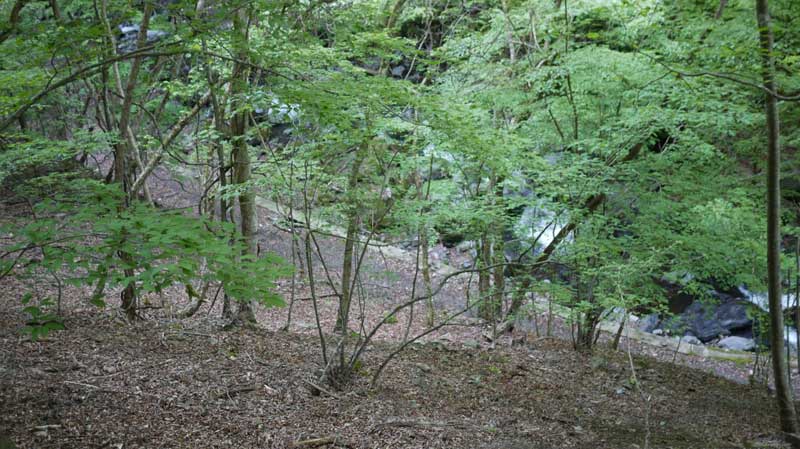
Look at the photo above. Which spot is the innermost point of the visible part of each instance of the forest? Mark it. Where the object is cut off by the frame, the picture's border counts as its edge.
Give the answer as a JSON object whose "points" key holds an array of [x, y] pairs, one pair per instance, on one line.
{"points": [[399, 223]]}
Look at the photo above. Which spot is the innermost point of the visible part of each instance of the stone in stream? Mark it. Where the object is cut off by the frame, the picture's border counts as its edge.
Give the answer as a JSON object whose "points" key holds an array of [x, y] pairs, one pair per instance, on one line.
{"points": [[709, 320], [128, 34]]}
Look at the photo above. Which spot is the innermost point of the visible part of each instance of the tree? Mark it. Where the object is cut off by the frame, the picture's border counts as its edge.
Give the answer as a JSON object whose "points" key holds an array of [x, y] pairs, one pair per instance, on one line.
{"points": [[241, 151], [783, 388]]}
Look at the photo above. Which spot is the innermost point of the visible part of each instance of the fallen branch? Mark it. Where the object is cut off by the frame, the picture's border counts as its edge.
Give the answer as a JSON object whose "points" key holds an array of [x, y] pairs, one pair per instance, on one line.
{"points": [[110, 390], [317, 389], [229, 394], [423, 424], [319, 442]]}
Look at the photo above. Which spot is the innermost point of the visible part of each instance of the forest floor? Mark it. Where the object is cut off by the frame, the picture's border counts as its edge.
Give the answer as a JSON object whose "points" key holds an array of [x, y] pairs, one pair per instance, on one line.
{"points": [[189, 383], [104, 384]]}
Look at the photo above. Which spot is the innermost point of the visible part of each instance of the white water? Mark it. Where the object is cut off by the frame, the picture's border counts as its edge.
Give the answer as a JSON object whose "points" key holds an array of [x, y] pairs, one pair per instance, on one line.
{"points": [[539, 222], [762, 301]]}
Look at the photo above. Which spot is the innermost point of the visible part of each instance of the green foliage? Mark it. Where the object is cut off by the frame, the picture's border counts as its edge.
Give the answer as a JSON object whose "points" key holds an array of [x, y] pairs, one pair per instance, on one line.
{"points": [[592, 103], [82, 231], [41, 321]]}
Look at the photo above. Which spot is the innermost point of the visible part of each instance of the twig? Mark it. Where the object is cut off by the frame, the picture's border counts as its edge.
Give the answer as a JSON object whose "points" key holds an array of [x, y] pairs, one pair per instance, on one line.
{"points": [[318, 442], [109, 390], [231, 393], [646, 399], [324, 390], [423, 423]]}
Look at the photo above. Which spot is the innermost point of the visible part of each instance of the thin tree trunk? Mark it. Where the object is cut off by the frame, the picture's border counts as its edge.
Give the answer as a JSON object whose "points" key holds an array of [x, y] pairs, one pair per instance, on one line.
{"points": [[512, 53], [783, 391], [615, 344], [241, 156], [797, 302], [397, 8], [352, 229], [124, 159], [423, 248], [484, 278], [14, 17], [720, 9], [498, 253]]}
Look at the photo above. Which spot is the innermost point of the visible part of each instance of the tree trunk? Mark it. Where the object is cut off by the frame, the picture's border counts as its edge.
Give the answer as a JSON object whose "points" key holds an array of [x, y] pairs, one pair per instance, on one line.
{"points": [[352, 231], [720, 9], [484, 278], [124, 164], [397, 8], [783, 390], [241, 156], [498, 252]]}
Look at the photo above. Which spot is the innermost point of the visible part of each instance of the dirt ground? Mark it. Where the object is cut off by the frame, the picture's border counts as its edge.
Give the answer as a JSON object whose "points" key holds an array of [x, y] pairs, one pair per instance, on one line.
{"points": [[158, 383]]}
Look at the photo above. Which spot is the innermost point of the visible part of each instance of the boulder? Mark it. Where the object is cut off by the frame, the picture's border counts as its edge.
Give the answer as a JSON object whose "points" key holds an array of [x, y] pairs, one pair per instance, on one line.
{"points": [[737, 343], [691, 340], [398, 71], [708, 320], [699, 318], [649, 323], [465, 246], [126, 41], [733, 315], [439, 255]]}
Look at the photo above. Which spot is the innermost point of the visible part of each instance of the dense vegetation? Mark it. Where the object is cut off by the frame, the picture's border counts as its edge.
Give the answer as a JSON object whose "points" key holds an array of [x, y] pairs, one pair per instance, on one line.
{"points": [[601, 153]]}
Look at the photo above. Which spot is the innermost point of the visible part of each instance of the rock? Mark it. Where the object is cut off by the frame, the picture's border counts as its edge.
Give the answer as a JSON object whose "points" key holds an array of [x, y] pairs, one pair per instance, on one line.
{"points": [[465, 246], [423, 367], [737, 344], [709, 320], [733, 315], [691, 340], [466, 265], [398, 71], [517, 188], [129, 33], [434, 173], [439, 255], [616, 315], [649, 323]]}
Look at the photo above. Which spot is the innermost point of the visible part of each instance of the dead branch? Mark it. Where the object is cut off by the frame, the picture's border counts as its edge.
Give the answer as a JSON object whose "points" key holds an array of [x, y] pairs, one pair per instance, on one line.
{"points": [[319, 442], [317, 389]]}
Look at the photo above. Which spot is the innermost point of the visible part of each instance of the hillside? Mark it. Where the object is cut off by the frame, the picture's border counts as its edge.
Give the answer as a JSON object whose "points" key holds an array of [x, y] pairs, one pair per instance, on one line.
{"points": [[400, 223], [168, 384]]}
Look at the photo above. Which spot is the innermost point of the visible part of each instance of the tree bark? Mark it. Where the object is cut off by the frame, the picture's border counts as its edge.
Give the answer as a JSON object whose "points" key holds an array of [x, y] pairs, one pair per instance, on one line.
{"points": [[424, 248], [397, 8], [352, 230], [484, 276], [783, 390], [720, 9], [241, 155], [13, 20], [124, 162]]}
